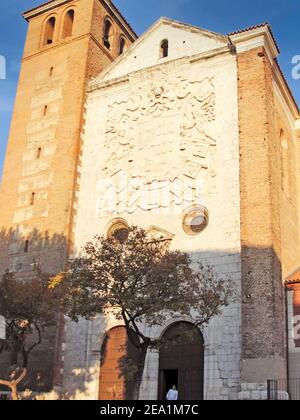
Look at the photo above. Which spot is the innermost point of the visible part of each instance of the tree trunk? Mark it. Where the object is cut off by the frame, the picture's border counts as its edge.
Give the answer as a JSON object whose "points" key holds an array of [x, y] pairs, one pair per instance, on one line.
{"points": [[14, 392], [139, 375], [25, 359], [13, 385]]}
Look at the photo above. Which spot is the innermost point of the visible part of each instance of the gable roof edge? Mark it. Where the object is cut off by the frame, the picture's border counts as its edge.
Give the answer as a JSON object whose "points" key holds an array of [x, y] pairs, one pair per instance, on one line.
{"points": [[155, 25]]}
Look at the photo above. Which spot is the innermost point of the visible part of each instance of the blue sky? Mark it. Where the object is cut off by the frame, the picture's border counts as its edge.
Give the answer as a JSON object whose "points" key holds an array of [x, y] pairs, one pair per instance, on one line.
{"points": [[219, 15]]}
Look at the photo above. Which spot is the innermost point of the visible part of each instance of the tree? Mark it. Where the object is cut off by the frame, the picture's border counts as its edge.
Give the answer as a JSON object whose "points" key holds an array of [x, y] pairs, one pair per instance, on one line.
{"points": [[29, 307], [141, 281]]}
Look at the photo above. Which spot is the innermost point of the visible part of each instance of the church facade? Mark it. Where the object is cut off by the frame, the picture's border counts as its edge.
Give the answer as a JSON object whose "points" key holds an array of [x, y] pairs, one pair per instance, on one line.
{"points": [[193, 136]]}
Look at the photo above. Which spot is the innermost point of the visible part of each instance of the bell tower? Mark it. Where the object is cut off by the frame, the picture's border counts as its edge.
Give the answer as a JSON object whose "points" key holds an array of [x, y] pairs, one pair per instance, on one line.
{"points": [[68, 43]]}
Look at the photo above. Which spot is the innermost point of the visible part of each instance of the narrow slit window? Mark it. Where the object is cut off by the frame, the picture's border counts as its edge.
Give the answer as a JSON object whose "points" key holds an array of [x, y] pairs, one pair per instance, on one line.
{"points": [[45, 110], [68, 24], [39, 152], [107, 35], [164, 48], [26, 246], [49, 31], [51, 71], [32, 199], [285, 163]]}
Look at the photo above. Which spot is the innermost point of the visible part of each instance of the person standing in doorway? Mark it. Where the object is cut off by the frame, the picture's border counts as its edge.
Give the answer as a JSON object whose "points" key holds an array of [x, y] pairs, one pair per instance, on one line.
{"points": [[172, 394]]}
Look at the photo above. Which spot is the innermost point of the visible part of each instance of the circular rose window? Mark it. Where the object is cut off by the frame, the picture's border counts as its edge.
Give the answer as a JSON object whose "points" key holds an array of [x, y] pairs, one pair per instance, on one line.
{"points": [[195, 220]]}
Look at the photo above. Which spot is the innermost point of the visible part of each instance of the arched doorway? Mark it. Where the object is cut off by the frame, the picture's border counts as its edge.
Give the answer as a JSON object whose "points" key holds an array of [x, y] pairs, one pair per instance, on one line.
{"points": [[113, 384], [181, 362]]}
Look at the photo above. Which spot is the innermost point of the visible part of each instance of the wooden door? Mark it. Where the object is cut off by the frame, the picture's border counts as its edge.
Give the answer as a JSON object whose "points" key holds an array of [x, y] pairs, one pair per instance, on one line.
{"points": [[113, 384]]}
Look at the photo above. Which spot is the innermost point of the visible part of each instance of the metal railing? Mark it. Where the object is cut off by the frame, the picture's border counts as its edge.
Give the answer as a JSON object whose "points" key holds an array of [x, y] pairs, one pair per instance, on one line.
{"points": [[284, 390]]}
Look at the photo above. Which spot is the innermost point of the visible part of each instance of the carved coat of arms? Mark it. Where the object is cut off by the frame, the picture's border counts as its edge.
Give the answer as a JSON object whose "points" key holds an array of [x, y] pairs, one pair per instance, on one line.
{"points": [[159, 140]]}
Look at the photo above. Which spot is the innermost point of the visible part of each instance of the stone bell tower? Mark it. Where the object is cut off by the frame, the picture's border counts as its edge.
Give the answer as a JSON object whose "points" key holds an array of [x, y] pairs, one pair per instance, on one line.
{"points": [[68, 43]]}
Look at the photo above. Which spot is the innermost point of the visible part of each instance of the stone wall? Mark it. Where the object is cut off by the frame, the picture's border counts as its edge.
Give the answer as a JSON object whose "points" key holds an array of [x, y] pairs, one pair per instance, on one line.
{"points": [[142, 127]]}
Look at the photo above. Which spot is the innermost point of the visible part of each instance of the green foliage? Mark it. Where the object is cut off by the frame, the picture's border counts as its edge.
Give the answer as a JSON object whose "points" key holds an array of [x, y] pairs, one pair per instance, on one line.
{"points": [[29, 307], [142, 280]]}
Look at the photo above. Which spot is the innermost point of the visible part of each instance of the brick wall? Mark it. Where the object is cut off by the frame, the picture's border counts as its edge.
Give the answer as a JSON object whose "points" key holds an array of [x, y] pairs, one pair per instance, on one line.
{"points": [[263, 327], [53, 76]]}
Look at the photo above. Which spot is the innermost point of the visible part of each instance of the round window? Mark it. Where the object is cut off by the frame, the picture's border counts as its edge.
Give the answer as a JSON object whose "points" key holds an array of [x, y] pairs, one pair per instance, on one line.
{"points": [[195, 220], [118, 229]]}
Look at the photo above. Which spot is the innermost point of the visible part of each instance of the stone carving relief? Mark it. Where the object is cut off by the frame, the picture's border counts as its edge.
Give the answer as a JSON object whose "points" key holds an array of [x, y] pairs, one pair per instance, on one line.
{"points": [[157, 140], [158, 234]]}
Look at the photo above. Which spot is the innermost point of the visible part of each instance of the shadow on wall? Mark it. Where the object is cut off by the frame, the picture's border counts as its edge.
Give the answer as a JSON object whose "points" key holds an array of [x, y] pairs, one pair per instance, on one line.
{"points": [[21, 255], [118, 365], [263, 309], [102, 344]]}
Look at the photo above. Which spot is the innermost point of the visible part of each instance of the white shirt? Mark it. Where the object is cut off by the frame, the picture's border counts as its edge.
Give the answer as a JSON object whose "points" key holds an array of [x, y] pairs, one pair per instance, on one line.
{"points": [[172, 395]]}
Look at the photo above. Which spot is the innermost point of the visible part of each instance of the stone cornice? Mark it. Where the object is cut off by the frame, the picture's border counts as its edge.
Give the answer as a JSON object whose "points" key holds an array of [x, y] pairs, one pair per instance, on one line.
{"points": [[210, 54], [261, 36], [254, 38], [108, 83], [100, 84], [285, 92], [69, 41], [297, 126], [46, 7]]}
